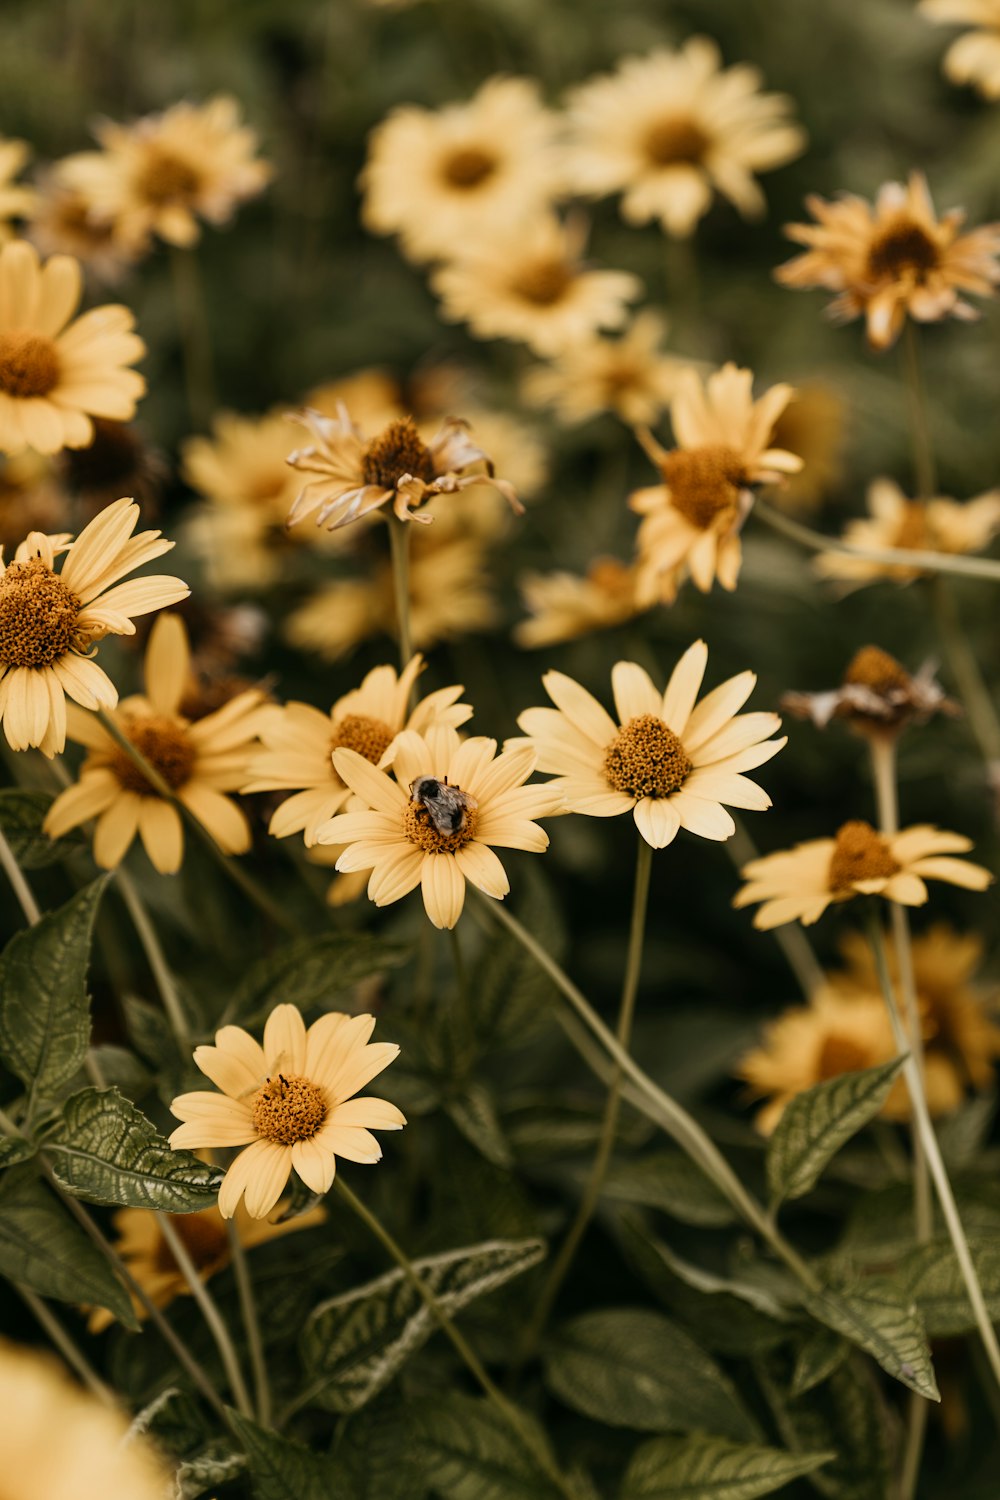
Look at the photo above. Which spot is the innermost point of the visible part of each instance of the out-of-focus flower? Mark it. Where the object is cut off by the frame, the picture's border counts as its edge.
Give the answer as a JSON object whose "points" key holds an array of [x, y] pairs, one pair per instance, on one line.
{"points": [[448, 179], [974, 57], [692, 519], [16, 200], [118, 460], [372, 396], [298, 742], [433, 822], [878, 696], [938, 525], [50, 622], [892, 258], [31, 498], [629, 376], [200, 762], [669, 130], [813, 427], [531, 285], [799, 884], [564, 606], [55, 375], [61, 224], [670, 761], [289, 1102]]}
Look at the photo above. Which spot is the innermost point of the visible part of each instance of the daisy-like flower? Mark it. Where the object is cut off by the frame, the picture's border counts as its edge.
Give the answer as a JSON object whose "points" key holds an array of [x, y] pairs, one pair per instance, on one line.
{"points": [[61, 224], [298, 742], [55, 375], [199, 762], [441, 178], [629, 376], [564, 606], [892, 258], [877, 697], [799, 884], [161, 174], [16, 200], [290, 1102], [436, 820], [938, 525], [669, 760], [51, 621], [349, 476], [531, 285], [812, 426], [670, 129], [692, 519], [974, 57]]}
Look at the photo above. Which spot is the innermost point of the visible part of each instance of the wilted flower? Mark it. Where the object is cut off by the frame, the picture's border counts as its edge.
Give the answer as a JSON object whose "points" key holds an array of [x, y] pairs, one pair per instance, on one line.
{"points": [[937, 525], [974, 57], [564, 606], [878, 696], [629, 376]]}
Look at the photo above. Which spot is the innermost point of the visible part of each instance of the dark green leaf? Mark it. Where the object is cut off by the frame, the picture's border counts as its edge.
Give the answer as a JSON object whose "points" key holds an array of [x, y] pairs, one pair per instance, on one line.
{"points": [[931, 1276], [474, 1114], [822, 1352], [279, 1468], [150, 1032], [175, 1421], [887, 1325], [374, 1453], [466, 1451], [14, 1148], [845, 1415], [670, 1181], [202, 1475], [22, 813], [704, 1468], [316, 970]]}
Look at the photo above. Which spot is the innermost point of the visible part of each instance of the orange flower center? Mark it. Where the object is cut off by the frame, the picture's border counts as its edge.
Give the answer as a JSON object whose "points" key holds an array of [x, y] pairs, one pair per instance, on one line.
{"points": [[369, 737], [611, 578], [871, 667], [903, 248], [420, 828], [543, 282], [840, 1054], [859, 854], [646, 759], [38, 615], [468, 167], [204, 1238], [288, 1108], [161, 741], [676, 138], [29, 364], [704, 482], [166, 177], [912, 533], [397, 451]]}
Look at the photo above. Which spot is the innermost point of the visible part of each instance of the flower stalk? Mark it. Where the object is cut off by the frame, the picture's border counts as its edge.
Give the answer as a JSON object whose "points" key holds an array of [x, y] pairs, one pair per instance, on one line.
{"points": [[210, 1312]]}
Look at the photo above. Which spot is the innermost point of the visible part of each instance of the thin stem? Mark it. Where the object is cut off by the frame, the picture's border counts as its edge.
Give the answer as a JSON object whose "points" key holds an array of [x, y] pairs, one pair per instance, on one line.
{"points": [[22, 890], [165, 983], [972, 689], [196, 344], [73, 1356], [794, 945], [924, 474], [251, 1322], [606, 1139], [399, 548], [462, 984], [210, 1312]]}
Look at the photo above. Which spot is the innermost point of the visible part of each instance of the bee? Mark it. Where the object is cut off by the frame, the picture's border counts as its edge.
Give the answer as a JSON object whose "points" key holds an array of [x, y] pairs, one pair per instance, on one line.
{"points": [[446, 807]]}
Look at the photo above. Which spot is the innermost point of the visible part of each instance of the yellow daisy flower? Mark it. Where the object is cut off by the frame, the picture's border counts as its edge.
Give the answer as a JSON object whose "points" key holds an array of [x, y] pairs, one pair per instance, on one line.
{"points": [[16, 201], [531, 285], [289, 1102], [563, 606], [61, 224], [629, 376], [669, 760], [440, 179], [799, 884], [298, 742], [160, 174], [199, 761], [974, 57], [692, 519], [669, 129], [435, 821], [55, 375], [51, 621], [892, 258], [938, 525]]}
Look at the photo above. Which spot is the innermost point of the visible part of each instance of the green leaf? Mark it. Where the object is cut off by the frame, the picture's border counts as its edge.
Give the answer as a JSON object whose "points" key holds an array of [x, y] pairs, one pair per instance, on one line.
{"points": [[473, 1112], [818, 1122], [704, 1468], [22, 813], [197, 1476], [316, 970], [820, 1353], [44, 1012], [931, 1276], [466, 1451], [104, 1150], [632, 1368], [374, 1454], [150, 1033], [41, 1245], [14, 1148], [670, 1181], [280, 1468], [846, 1415], [353, 1345], [887, 1325], [175, 1421]]}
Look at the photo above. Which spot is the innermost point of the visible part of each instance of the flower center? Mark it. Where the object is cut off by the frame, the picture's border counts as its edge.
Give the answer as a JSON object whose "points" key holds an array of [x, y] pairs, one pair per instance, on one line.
{"points": [[543, 282], [704, 482], [288, 1109], [420, 829], [646, 759], [468, 166], [871, 667], [38, 615], [204, 1238], [901, 248], [912, 533], [29, 364], [369, 737], [611, 577], [859, 854], [398, 450], [161, 741], [166, 177], [676, 138], [840, 1054]]}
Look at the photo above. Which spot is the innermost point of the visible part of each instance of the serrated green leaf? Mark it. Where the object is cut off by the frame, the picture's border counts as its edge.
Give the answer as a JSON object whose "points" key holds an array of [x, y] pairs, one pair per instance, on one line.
{"points": [[175, 1421], [466, 1451], [195, 1476], [22, 813], [931, 1276], [816, 1123], [631, 1368], [104, 1150], [474, 1114], [374, 1454], [280, 1468], [44, 1011], [704, 1468], [819, 1354], [316, 970], [14, 1148], [886, 1324], [670, 1181], [353, 1345], [41, 1245], [149, 1031], [845, 1415]]}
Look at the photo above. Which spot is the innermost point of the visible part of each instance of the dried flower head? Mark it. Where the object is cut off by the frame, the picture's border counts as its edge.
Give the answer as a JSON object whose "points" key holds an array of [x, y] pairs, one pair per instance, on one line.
{"points": [[878, 696]]}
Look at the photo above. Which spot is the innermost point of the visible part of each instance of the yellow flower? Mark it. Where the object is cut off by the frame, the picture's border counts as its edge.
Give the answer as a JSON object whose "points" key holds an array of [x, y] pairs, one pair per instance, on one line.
{"points": [[564, 606], [16, 201], [160, 174], [372, 396], [975, 57], [813, 427], [692, 519], [298, 742], [938, 525], [531, 285], [198, 761], [54, 377], [440, 179], [669, 760], [669, 129], [629, 376], [60, 1443], [61, 224], [290, 1102], [800, 883], [434, 825], [50, 622], [892, 258]]}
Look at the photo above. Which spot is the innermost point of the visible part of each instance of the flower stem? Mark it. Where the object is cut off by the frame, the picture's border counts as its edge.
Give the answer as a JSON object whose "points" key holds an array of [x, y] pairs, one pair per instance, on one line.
{"points": [[146, 934], [606, 1139], [399, 548], [972, 689], [251, 1322], [73, 1356], [796, 947], [210, 1312], [924, 474], [196, 345], [22, 890]]}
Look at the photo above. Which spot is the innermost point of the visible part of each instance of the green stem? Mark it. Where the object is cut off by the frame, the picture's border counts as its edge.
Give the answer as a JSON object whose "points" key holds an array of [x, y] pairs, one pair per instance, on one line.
{"points": [[462, 985], [22, 890], [251, 1322], [192, 321], [972, 689], [795, 946], [210, 1312], [165, 983], [924, 474], [73, 1356], [399, 548]]}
